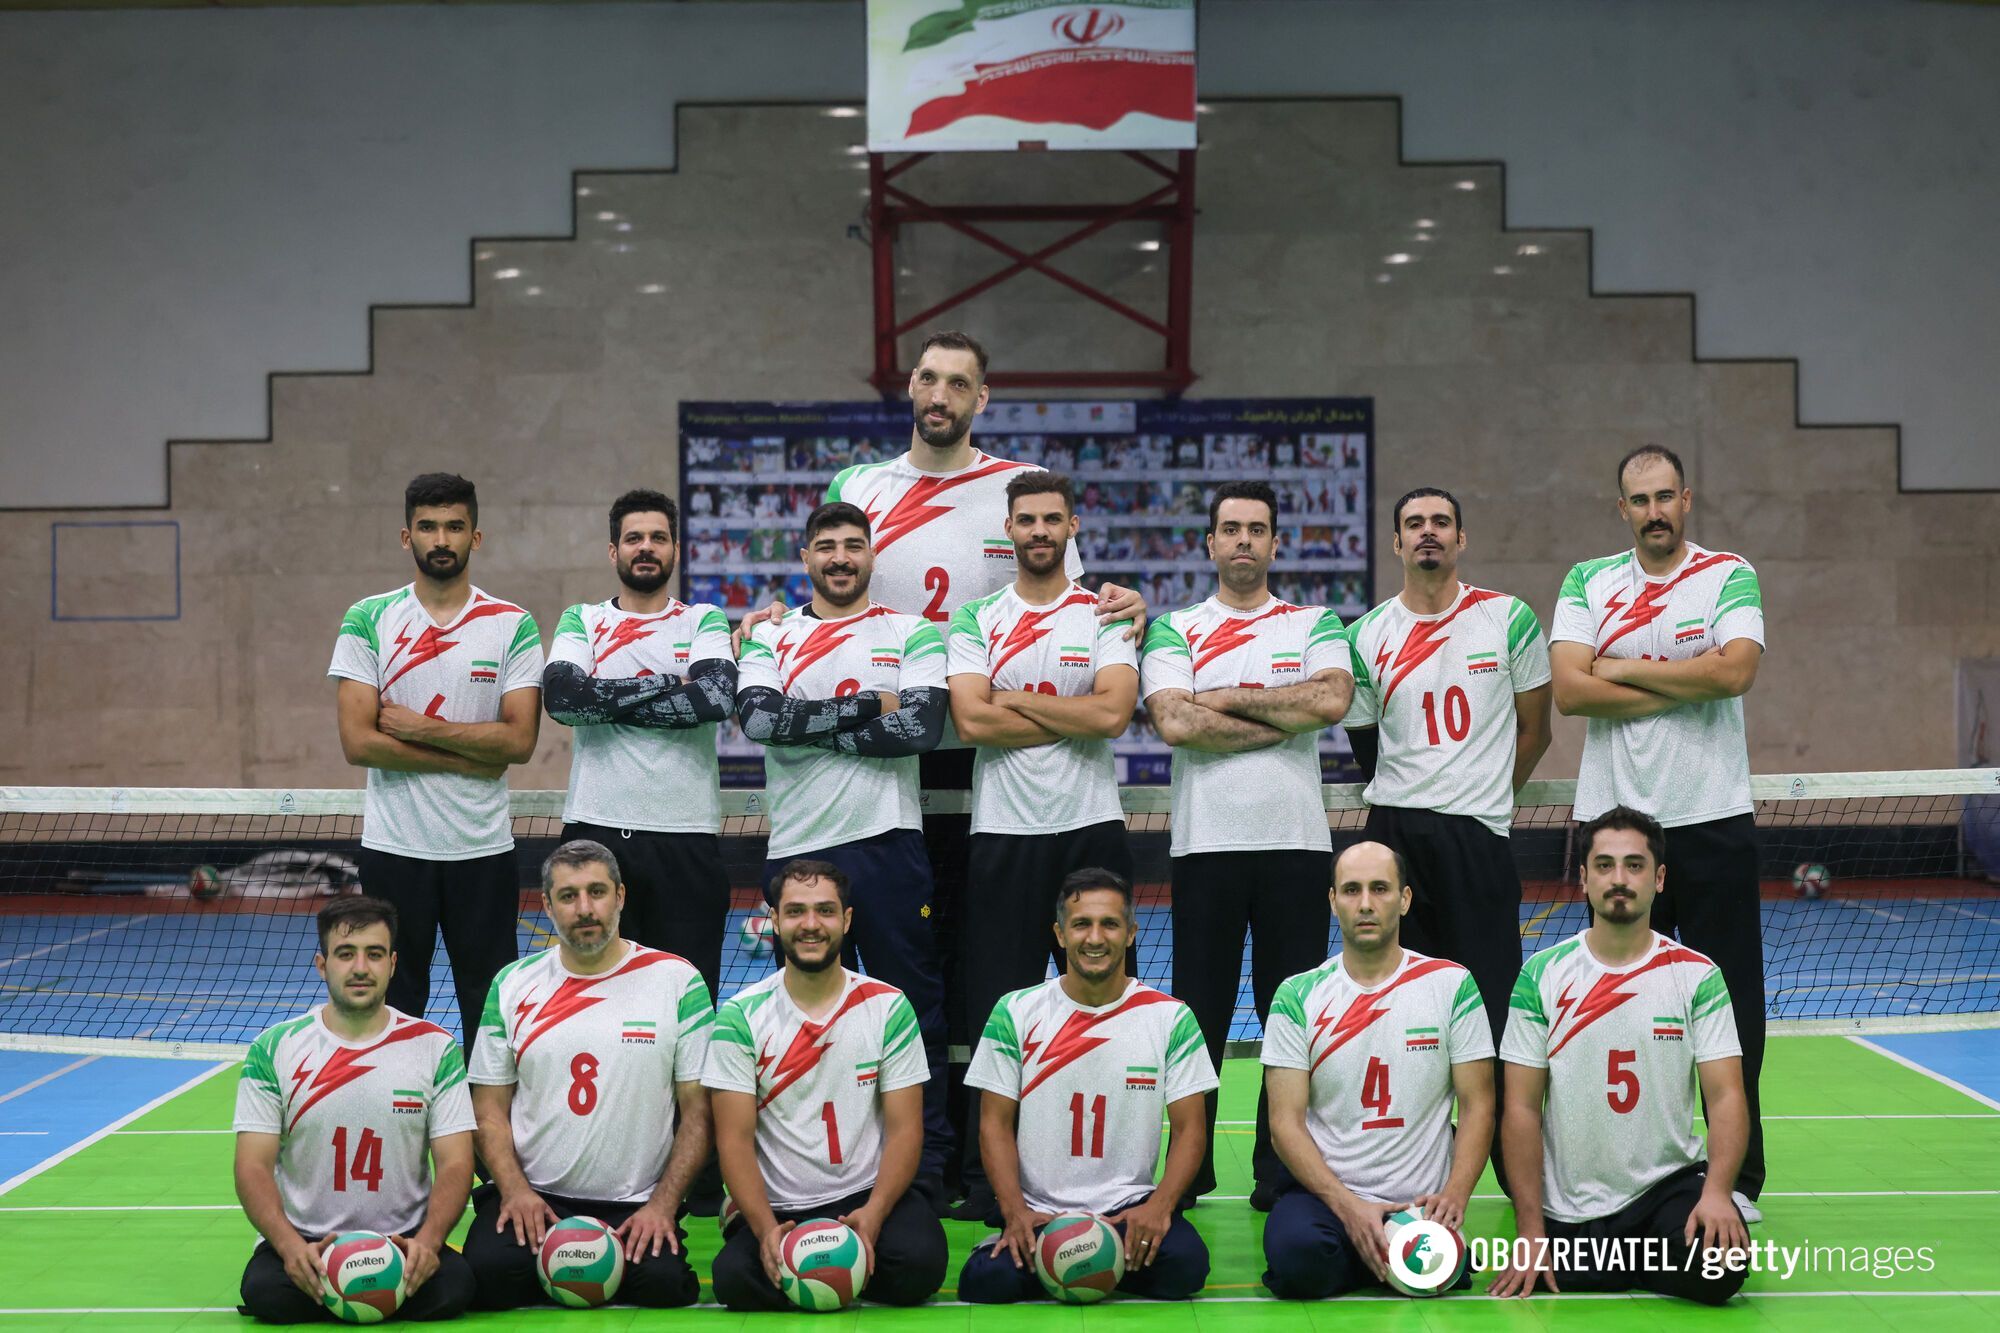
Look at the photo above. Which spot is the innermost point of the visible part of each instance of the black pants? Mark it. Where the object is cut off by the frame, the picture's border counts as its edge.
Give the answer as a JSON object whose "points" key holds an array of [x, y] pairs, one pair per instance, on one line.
{"points": [[1309, 1256], [910, 1258], [1179, 1269], [1465, 905], [1711, 901], [1007, 934], [676, 892], [890, 889], [504, 1270], [269, 1295], [475, 903], [1661, 1212], [1281, 898], [947, 842]]}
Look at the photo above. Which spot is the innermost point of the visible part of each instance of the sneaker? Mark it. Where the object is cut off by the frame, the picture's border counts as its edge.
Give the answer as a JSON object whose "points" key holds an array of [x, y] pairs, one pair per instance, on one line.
{"points": [[1263, 1197], [1752, 1214], [977, 1206]]}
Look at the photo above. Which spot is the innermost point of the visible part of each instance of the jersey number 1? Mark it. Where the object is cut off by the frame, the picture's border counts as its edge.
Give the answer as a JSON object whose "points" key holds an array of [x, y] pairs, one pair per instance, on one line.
{"points": [[366, 1168]]}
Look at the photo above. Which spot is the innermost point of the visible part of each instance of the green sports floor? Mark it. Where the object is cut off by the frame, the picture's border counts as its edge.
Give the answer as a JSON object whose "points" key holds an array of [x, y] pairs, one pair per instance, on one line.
{"points": [[139, 1229]]}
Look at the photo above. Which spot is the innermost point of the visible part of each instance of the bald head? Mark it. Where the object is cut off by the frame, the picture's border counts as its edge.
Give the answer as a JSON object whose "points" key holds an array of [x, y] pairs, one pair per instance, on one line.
{"points": [[1366, 862], [1370, 894]]}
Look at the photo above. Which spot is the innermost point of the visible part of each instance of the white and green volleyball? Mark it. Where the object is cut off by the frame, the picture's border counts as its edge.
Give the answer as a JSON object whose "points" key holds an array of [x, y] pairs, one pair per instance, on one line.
{"points": [[1425, 1257], [1079, 1257], [755, 935], [580, 1263], [825, 1265], [361, 1277]]}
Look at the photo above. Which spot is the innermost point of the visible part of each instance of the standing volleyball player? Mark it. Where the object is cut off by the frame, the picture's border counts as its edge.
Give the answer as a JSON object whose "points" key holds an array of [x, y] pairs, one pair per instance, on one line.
{"points": [[1609, 1034], [585, 1053], [335, 1113], [643, 678], [440, 691], [1450, 717], [815, 1074], [1241, 686], [1364, 1056], [847, 694], [1075, 1074], [1656, 646]]}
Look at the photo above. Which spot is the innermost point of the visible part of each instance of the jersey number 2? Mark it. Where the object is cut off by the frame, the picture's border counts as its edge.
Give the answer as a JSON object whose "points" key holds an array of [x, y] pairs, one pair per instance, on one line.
{"points": [[937, 582], [366, 1168]]}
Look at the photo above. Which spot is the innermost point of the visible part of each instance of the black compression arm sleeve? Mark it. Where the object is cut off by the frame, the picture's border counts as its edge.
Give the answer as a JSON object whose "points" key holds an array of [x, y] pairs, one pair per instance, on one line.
{"points": [[1367, 745], [706, 696], [769, 718], [915, 728]]}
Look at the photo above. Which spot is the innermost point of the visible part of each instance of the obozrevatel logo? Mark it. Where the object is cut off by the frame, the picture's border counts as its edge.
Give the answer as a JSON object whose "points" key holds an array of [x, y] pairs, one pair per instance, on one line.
{"points": [[1424, 1254]]}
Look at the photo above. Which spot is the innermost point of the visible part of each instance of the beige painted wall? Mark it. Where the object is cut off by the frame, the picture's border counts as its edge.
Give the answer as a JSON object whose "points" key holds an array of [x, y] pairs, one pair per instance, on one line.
{"points": [[736, 279]]}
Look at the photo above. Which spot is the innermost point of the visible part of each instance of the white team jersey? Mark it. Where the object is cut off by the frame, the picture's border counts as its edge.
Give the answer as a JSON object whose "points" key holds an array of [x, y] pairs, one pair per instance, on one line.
{"points": [[594, 1061], [818, 1083], [660, 779], [1621, 1048], [1092, 1085], [1054, 649], [821, 798], [457, 672], [354, 1119], [940, 537], [1691, 764], [1380, 1064], [1257, 799], [1440, 690]]}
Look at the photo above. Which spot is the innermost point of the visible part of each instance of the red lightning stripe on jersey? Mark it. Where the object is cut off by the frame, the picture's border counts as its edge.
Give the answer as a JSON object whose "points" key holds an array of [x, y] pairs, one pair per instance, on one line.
{"points": [[913, 508], [1424, 640], [1364, 1010], [809, 1043], [573, 996], [344, 1066], [1652, 599], [611, 638], [432, 642], [825, 637], [1230, 634], [1028, 630], [1073, 1039], [1604, 995]]}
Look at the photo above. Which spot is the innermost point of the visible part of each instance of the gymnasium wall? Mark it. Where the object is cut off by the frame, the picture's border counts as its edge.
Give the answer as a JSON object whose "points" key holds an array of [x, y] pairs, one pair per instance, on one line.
{"points": [[734, 277]]}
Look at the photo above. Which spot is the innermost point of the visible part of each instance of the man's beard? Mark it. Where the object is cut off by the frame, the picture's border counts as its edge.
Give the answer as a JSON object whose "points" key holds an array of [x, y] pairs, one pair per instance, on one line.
{"points": [[945, 436], [432, 569], [1242, 578], [1619, 910], [832, 957], [1050, 558], [603, 942], [650, 582], [347, 1005], [819, 583]]}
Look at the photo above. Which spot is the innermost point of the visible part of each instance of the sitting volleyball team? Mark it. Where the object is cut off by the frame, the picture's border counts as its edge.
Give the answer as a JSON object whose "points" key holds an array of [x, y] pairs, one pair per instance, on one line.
{"points": [[599, 1079]]}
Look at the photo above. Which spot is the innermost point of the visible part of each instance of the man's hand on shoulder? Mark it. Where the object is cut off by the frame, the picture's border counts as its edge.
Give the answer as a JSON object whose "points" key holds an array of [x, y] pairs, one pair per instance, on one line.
{"points": [[1116, 603], [771, 614]]}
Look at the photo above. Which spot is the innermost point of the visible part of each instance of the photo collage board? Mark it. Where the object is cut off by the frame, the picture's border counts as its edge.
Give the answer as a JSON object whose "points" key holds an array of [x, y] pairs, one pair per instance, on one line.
{"points": [[1144, 471]]}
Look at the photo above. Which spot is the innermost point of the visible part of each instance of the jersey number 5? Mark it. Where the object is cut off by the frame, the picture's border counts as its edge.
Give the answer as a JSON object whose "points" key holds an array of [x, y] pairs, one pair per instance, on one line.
{"points": [[1623, 1090]]}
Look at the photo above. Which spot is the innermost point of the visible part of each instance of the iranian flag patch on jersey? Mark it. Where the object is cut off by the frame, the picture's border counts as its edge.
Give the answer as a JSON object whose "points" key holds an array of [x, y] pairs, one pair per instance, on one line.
{"points": [[1689, 629], [1073, 656], [1287, 662], [1668, 1029], [1420, 1039], [485, 672], [885, 657], [1481, 664], [1142, 1077], [635, 1033], [866, 1073], [406, 1101], [990, 549]]}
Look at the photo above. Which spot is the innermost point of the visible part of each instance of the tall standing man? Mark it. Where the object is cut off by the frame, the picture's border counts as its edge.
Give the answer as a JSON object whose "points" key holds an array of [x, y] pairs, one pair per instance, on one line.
{"points": [[847, 695], [1450, 717], [339, 1114], [644, 678], [586, 1052], [1657, 646], [1241, 686], [439, 693]]}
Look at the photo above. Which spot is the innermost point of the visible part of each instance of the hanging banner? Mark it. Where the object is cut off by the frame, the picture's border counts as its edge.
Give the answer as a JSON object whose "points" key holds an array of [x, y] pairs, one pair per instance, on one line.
{"points": [[955, 75]]}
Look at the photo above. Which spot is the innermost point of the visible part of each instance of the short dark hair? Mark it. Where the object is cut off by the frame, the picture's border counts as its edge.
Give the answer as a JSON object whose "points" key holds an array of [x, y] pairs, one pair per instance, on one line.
{"points": [[1402, 866], [1651, 451], [1079, 882], [836, 514], [1396, 514], [1625, 818], [953, 340], [578, 852], [804, 867], [1242, 490], [352, 913], [642, 501], [1038, 481], [434, 490]]}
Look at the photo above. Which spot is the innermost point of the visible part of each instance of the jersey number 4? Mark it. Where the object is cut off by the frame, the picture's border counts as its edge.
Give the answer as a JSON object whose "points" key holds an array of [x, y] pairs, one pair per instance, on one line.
{"points": [[365, 1169], [1375, 1096]]}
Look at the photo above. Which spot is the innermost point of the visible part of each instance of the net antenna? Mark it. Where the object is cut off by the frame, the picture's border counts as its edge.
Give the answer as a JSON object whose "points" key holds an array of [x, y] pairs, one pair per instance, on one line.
{"points": [[1019, 76], [179, 922]]}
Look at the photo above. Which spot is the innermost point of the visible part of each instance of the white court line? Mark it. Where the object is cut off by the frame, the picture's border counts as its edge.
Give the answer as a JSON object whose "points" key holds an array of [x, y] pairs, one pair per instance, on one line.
{"points": [[23, 1177], [1908, 1063], [49, 1077], [231, 1131], [126, 1208], [64, 944], [23, 1133], [1876, 911]]}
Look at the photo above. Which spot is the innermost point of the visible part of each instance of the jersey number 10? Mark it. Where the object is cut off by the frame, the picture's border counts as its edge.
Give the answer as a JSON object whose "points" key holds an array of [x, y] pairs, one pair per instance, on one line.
{"points": [[1457, 714]]}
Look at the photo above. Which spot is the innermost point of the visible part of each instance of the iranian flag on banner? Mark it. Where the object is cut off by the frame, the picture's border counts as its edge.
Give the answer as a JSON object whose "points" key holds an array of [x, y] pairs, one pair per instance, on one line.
{"points": [[959, 74]]}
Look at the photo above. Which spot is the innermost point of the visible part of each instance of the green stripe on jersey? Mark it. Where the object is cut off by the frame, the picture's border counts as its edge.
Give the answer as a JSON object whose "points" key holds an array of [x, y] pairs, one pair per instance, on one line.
{"points": [[1327, 629], [732, 1025], [849, 474], [450, 1070], [712, 622], [363, 618], [901, 1029], [1185, 1039], [1163, 637], [1467, 999], [965, 620], [261, 1064], [1521, 626], [569, 625], [1576, 583], [1711, 995], [1000, 1030], [1739, 590], [526, 634], [695, 1006], [923, 641]]}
